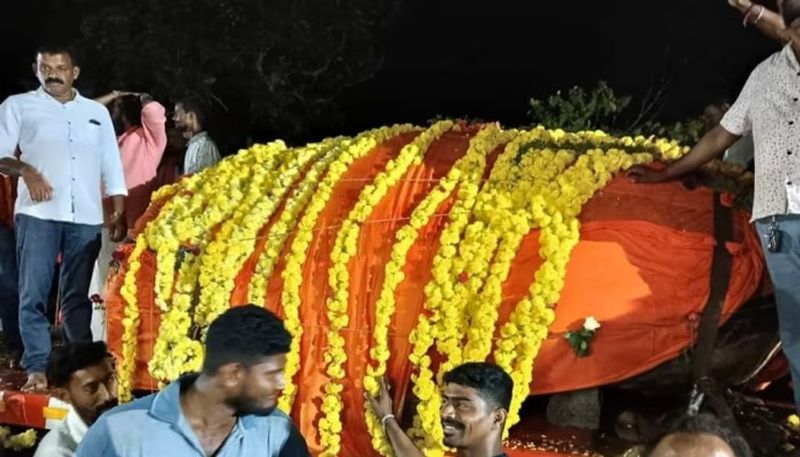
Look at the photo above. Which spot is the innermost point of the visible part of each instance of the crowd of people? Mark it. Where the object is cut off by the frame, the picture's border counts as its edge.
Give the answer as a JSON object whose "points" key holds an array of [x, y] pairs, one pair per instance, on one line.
{"points": [[86, 169], [72, 208]]}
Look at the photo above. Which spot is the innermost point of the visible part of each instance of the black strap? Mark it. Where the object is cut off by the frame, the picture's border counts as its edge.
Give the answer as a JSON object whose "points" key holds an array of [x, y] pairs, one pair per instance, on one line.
{"points": [[721, 264]]}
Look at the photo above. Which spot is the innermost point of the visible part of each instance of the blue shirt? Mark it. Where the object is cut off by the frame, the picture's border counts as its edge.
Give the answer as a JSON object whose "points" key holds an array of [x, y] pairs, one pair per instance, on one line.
{"points": [[72, 144], [155, 426]]}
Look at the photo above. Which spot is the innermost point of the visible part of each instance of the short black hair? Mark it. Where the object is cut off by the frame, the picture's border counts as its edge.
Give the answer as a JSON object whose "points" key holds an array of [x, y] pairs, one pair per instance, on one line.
{"points": [[131, 108], [493, 384], [58, 48], [66, 360], [194, 105], [709, 424], [790, 11], [244, 334]]}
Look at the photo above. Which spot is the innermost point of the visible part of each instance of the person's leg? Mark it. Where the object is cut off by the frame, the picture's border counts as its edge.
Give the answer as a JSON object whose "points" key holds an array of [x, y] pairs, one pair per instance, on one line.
{"points": [[37, 248], [9, 295], [104, 258], [80, 246], [784, 269]]}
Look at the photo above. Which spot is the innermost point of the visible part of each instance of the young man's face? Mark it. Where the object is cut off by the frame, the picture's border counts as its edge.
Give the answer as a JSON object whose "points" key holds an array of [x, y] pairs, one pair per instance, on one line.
{"points": [[91, 391], [468, 421], [181, 117], [256, 388], [56, 73]]}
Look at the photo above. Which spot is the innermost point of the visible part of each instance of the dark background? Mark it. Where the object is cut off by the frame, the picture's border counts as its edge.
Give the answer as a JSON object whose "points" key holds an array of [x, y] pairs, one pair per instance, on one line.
{"points": [[414, 59]]}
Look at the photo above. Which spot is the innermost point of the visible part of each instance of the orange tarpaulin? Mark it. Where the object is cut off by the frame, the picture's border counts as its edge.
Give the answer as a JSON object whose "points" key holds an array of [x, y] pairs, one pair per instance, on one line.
{"points": [[641, 268]]}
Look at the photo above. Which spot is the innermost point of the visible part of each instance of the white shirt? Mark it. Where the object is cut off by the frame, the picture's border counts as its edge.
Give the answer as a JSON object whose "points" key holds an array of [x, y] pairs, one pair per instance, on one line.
{"points": [[769, 106], [73, 145], [201, 152], [63, 439]]}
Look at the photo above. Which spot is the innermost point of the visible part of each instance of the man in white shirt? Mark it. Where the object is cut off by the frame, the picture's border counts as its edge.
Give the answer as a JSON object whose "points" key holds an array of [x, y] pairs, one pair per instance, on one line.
{"points": [[82, 375], [769, 107], [68, 156], [201, 151]]}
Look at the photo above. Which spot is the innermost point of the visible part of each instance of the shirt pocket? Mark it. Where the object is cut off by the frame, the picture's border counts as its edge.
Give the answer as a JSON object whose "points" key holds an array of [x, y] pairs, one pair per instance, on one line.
{"points": [[87, 136]]}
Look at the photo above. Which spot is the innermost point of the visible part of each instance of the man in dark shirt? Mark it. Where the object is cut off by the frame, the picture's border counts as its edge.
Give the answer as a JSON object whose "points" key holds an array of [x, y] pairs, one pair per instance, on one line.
{"points": [[475, 402]]}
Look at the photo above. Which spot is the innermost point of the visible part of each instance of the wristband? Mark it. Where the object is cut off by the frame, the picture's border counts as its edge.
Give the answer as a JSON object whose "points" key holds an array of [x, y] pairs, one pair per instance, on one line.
{"points": [[385, 418], [760, 15]]}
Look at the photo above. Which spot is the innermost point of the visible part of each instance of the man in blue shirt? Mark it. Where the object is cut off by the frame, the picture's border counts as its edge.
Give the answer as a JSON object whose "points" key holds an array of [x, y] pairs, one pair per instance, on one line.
{"points": [[227, 410], [68, 157]]}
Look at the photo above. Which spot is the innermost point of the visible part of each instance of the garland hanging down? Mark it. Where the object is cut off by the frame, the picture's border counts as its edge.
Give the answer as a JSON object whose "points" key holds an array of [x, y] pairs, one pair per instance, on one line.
{"points": [[268, 199]]}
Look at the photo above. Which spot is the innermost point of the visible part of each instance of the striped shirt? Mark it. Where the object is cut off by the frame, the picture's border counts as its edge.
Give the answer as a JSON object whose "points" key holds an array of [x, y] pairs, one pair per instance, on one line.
{"points": [[201, 152]]}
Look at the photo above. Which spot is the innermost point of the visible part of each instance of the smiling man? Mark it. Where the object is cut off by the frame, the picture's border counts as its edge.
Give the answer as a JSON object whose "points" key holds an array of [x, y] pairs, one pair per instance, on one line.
{"points": [[475, 402], [67, 156], [227, 410]]}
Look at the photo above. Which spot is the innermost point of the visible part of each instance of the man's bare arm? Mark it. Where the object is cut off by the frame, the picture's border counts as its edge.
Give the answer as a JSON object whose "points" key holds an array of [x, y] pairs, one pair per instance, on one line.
{"points": [[38, 186], [713, 144], [382, 407], [768, 22]]}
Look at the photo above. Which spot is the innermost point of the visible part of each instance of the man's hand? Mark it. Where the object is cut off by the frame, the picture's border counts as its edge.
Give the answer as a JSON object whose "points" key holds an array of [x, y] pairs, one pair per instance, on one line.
{"points": [[741, 5], [38, 186], [119, 227], [382, 404], [644, 174]]}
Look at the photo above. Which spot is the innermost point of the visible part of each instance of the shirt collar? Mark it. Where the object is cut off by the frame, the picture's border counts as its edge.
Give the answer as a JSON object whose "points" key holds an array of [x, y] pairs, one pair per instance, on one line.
{"points": [[43, 93], [167, 403], [788, 52], [75, 426], [198, 136]]}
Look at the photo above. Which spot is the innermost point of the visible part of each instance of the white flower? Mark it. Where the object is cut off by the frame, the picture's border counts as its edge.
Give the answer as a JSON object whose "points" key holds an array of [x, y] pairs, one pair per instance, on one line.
{"points": [[591, 324]]}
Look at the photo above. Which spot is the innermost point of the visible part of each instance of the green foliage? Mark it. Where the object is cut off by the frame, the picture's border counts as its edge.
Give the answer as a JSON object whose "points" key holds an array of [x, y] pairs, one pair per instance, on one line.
{"points": [[577, 109], [602, 109]]}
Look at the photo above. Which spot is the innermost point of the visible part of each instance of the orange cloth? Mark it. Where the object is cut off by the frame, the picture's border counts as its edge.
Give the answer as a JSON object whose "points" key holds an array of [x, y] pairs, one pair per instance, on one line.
{"points": [[641, 268], [8, 194]]}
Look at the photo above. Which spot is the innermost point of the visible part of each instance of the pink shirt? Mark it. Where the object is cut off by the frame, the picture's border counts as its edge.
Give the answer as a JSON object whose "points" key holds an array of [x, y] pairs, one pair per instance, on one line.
{"points": [[141, 148]]}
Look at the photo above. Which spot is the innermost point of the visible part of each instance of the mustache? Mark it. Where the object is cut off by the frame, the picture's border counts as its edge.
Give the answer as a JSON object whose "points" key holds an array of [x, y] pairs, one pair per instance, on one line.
{"points": [[53, 80], [453, 424]]}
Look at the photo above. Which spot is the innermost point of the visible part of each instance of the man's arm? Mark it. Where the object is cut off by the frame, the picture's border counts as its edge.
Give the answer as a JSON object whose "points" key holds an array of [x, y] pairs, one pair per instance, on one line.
{"points": [[713, 144], [38, 186], [111, 96], [114, 180], [382, 407], [769, 23], [154, 123]]}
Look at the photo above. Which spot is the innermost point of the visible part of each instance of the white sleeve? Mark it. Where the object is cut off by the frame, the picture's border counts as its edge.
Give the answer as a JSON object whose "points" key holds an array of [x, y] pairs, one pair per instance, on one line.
{"points": [[10, 123], [111, 168]]}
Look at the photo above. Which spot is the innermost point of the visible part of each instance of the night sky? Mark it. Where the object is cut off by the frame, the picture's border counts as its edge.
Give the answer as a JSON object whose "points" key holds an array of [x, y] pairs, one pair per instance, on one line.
{"points": [[485, 59]]}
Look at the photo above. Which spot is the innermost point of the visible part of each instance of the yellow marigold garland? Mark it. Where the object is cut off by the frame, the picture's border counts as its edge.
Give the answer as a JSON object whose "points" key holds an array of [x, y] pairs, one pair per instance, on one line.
{"points": [[18, 442], [174, 352], [236, 238], [287, 221], [427, 428], [509, 212], [196, 205], [473, 161], [130, 323], [193, 215], [292, 274], [344, 248], [522, 335]]}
